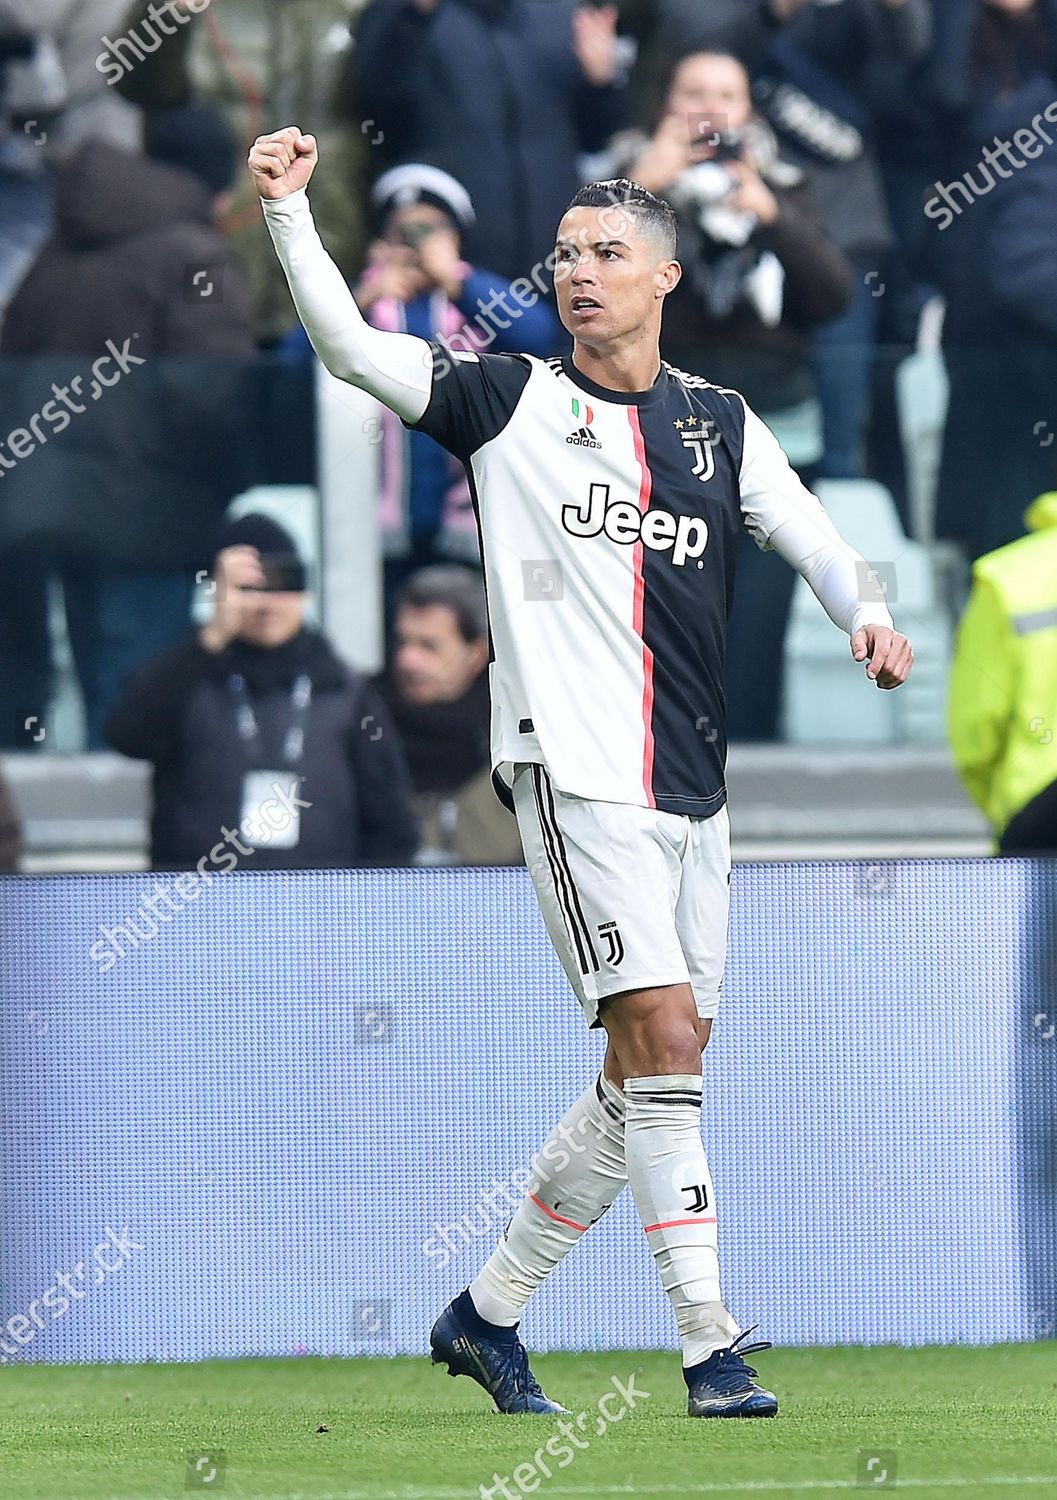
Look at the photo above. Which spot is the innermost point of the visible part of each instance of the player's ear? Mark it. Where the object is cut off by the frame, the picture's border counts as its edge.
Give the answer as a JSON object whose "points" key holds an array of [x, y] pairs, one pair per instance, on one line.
{"points": [[669, 274]]}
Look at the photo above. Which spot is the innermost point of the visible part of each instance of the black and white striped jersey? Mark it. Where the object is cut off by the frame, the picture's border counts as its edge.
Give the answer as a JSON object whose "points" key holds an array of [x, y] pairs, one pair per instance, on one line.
{"points": [[609, 525]]}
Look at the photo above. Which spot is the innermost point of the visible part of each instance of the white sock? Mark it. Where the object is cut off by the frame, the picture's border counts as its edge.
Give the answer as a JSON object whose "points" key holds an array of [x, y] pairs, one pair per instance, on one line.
{"points": [[672, 1186], [577, 1174]]}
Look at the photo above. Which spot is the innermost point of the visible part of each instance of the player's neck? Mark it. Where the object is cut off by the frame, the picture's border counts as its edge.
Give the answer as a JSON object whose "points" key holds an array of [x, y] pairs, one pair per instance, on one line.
{"points": [[631, 368]]}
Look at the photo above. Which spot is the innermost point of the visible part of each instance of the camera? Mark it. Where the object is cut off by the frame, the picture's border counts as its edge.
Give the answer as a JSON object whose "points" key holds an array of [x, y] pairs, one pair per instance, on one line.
{"points": [[720, 145], [412, 235]]}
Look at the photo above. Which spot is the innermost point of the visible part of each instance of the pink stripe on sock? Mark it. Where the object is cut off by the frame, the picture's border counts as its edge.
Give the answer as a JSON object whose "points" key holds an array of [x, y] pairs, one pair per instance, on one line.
{"points": [[552, 1215], [671, 1223]]}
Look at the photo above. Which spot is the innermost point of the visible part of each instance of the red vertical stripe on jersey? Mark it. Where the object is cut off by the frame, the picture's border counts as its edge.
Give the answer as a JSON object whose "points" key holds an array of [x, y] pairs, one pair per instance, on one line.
{"points": [[645, 488]]}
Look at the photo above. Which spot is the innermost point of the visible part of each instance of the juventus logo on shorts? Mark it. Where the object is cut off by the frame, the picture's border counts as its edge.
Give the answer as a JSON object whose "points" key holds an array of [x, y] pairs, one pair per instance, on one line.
{"points": [[614, 943], [700, 1197]]}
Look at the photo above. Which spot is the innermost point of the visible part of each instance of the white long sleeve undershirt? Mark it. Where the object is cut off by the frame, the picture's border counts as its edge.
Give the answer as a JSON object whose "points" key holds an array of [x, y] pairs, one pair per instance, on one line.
{"points": [[833, 569], [397, 369], [783, 514]]}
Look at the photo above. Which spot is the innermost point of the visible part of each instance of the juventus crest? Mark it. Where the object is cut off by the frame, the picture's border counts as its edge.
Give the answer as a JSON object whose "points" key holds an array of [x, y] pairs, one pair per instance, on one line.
{"points": [[697, 439], [699, 1193], [614, 943]]}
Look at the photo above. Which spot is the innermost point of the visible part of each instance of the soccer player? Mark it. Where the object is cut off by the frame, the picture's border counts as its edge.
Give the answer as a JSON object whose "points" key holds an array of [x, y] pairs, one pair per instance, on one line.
{"points": [[610, 491]]}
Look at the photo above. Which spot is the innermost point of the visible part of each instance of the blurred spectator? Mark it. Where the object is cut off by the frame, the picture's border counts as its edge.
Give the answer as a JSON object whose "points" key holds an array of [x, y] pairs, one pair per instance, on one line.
{"points": [[255, 708], [840, 61], [52, 100], [437, 692], [136, 279], [504, 95], [992, 248], [92, 111], [417, 282], [149, 64], [812, 65], [759, 269], [10, 829], [984, 50], [1003, 690]]}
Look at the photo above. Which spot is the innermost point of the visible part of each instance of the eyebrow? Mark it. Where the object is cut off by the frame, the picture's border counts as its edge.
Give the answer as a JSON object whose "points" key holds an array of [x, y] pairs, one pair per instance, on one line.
{"points": [[598, 245]]}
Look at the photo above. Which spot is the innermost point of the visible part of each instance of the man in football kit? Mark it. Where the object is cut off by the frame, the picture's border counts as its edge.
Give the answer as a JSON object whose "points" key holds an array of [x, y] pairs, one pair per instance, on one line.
{"points": [[610, 491]]}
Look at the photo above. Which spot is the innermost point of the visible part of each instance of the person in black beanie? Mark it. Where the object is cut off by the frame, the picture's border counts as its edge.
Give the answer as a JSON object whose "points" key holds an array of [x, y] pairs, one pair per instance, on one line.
{"points": [[198, 139], [263, 743]]}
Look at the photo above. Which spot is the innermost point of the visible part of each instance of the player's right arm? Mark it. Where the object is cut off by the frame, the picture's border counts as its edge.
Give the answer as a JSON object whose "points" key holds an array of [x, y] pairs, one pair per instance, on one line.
{"points": [[396, 368]]}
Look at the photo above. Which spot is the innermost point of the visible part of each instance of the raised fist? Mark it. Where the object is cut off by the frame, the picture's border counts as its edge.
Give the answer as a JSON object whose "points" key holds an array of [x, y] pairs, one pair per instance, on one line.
{"points": [[283, 162]]}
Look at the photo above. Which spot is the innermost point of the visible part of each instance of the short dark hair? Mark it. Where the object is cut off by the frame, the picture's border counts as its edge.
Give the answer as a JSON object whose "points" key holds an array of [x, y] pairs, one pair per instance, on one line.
{"points": [[653, 215], [454, 587]]}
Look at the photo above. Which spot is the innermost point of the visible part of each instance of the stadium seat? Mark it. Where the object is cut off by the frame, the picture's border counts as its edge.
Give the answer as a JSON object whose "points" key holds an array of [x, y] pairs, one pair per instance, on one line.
{"points": [[922, 394], [825, 698], [799, 430]]}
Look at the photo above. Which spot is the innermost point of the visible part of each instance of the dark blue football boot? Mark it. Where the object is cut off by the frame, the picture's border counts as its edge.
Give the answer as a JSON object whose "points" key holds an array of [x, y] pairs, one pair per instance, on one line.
{"points": [[494, 1357], [723, 1385]]}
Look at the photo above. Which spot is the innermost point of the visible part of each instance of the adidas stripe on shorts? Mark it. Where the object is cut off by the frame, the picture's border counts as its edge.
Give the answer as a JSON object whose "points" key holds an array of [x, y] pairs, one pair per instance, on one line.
{"points": [[632, 897]]}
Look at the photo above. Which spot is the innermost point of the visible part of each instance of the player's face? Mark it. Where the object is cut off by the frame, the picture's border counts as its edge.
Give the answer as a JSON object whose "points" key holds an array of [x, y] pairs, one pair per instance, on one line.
{"points": [[270, 618], [434, 663], [609, 277]]}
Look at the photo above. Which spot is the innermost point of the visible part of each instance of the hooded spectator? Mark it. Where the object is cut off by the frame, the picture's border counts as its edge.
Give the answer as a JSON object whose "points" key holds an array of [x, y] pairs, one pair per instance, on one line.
{"points": [[135, 310], [252, 724]]}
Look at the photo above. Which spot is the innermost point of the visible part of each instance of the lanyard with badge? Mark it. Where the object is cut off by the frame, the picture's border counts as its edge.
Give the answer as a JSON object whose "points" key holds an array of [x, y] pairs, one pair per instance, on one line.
{"points": [[281, 829]]}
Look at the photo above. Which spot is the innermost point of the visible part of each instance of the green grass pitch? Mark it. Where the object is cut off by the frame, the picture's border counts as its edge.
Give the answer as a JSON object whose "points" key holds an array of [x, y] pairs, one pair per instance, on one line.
{"points": [[942, 1422]]}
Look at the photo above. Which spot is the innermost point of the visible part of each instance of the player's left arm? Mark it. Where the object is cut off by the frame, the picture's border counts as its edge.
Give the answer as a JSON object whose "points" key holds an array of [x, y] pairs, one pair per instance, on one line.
{"points": [[782, 513]]}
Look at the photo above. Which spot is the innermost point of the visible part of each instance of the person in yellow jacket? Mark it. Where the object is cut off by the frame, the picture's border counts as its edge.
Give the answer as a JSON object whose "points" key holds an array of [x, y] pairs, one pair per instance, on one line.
{"points": [[1002, 711]]}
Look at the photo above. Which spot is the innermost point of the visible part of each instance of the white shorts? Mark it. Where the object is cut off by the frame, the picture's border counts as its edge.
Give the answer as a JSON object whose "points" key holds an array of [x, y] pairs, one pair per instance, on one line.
{"points": [[632, 897]]}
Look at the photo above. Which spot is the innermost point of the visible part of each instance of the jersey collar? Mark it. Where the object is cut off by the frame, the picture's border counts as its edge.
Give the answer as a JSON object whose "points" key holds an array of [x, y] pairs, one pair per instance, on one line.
{"points": [[619, 398]]}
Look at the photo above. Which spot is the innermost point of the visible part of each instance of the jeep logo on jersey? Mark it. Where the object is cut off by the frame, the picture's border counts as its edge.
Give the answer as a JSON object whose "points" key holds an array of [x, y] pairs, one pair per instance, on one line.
{"points": [[687, 536], [583, 437]]}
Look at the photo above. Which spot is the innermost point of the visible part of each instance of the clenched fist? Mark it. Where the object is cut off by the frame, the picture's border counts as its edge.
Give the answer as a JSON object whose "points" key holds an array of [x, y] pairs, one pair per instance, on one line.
{"points": [[283, 162]]}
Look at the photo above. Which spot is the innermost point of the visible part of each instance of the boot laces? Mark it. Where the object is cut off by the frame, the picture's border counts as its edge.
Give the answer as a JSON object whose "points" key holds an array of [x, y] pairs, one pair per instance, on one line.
{"points": [[731, 1366], [524, 1380]]}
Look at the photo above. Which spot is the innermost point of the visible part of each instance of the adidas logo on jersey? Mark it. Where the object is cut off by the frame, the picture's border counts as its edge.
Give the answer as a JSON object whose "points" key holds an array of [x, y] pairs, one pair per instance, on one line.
{"points": [[583, 437]]}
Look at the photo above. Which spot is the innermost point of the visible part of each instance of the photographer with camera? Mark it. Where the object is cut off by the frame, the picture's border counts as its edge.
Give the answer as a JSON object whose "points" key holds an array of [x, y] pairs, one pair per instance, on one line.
{"points": [[759, 269]]}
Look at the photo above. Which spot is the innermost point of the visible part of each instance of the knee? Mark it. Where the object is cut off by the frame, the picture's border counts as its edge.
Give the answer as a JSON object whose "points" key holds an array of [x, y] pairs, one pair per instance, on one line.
{"points": [[666, 1045]]}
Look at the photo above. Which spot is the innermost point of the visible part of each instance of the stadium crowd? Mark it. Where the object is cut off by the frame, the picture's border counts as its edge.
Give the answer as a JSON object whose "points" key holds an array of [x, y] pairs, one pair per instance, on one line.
{"points": [[857, 183]]}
